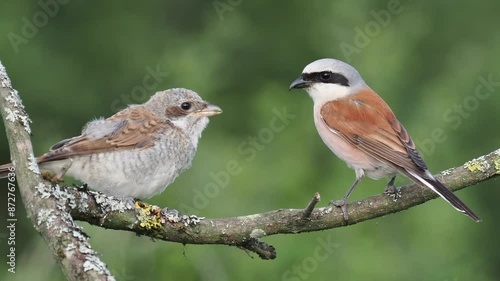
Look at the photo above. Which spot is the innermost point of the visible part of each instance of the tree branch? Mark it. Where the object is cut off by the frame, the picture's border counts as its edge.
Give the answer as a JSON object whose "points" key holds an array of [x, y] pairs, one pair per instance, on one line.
{"points": [[48, 207], [65, 239], [245, 231]]}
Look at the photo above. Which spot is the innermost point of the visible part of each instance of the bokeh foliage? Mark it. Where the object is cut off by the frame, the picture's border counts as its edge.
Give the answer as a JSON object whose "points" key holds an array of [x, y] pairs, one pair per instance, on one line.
{"points": [[90, 58]]}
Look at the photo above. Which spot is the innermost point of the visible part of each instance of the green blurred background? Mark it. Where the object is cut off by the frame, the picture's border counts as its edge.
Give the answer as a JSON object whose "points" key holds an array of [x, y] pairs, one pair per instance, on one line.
{"points": [[86, 60]]}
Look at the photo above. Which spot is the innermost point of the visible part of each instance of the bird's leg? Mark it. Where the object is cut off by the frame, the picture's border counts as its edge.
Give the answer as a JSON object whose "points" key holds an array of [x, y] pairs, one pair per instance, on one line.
{"points": [[81, 187], [64, 169], [84, 187], [342, 202], [392, 190]]}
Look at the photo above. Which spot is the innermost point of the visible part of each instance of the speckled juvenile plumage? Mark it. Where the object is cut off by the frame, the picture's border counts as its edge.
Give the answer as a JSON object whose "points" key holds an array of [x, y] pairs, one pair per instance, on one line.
{"points": [[138, 151]]}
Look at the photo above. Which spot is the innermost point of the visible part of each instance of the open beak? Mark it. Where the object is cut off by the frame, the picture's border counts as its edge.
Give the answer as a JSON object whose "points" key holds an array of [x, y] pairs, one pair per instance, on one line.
{"points": [[209, 110], [299, 83]]}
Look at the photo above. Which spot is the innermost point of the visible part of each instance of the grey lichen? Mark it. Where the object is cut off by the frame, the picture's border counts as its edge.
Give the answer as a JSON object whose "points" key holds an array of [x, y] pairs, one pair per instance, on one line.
{"points": [[257, 233], [4, 78], [17, 113], [46, 216], [191, 220], [11, 114], [70, 247], [110, 203], [33, 165], [83, 204], [446, 172], [66, 198], [325, 210], [41, 190], [12, 100], [95, 264]]}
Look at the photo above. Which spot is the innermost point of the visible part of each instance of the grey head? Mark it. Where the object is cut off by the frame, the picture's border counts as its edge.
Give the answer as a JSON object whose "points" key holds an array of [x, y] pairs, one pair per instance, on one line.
{"points": [[184, 108], [328, 79]]}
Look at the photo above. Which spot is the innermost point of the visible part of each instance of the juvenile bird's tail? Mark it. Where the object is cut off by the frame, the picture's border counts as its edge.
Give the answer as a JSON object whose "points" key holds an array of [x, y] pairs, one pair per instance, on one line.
{"points": [[428, 180]]}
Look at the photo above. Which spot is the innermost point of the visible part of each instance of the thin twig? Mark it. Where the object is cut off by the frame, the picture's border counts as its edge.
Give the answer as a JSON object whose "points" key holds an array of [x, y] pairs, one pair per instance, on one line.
{"points": [[310, 207]]}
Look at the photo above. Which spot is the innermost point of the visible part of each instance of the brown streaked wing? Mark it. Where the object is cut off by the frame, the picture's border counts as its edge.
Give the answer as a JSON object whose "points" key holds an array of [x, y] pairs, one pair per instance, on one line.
{"points": [[409, 144], [366, 121], [137, 131]]}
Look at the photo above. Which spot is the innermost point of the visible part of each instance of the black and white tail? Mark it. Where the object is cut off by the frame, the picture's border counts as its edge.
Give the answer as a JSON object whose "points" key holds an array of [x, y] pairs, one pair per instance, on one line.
{"points": [[428, 180]]}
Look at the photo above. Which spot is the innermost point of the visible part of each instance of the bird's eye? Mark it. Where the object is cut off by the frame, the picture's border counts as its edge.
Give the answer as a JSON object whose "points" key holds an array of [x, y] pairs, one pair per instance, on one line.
{"points": [[185, 105], [325, 76]]}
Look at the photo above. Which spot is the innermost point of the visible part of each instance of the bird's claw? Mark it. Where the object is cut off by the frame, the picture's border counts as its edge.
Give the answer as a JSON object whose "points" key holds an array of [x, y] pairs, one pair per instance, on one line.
{"points": [[51, 177], [343, 207], [393, 192]]}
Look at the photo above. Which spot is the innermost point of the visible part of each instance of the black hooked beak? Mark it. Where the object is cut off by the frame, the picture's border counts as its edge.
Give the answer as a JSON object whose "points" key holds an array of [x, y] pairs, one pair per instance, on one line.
{"points": [[299, 83]]}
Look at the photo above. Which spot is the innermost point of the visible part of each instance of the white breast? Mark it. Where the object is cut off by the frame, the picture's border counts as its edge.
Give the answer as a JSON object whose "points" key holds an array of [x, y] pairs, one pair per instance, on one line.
{"points": [[131, 173]]}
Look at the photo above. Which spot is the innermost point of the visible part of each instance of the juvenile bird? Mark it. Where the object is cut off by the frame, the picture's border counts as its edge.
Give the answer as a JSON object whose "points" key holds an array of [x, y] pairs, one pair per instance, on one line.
{"points": [[138, 151], [360, 128]]}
